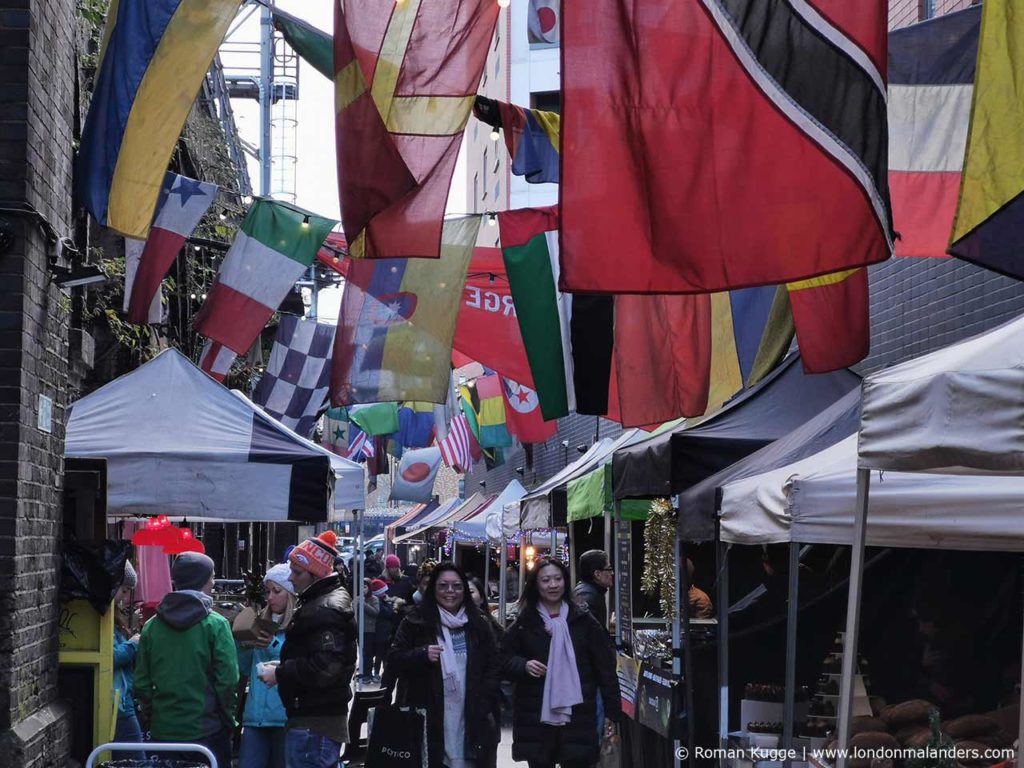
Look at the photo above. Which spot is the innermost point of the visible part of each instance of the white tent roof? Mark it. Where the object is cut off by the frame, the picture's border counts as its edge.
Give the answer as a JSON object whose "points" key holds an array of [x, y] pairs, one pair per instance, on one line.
{"points": [[812, 502], [487, 525], [440, 516], [958, 410], [178, 443]]}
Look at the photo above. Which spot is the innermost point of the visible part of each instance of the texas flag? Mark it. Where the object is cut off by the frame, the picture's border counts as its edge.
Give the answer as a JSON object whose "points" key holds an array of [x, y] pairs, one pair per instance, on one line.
{"points": [[522, 414], [181, 205]]}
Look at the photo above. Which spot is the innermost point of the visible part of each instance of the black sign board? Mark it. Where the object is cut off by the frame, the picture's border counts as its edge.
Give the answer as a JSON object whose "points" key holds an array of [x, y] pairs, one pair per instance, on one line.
{"points": [[654, 697], [625, 618]]}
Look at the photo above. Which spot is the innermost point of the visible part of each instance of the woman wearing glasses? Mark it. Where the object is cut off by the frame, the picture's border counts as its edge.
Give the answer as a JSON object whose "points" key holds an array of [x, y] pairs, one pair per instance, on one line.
{"points": [[559, 658], [445, 660]]}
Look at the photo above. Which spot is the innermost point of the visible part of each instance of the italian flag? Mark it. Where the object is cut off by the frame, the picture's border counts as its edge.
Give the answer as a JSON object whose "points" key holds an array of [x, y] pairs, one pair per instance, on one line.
{"points": [[274, 247], [529, 244]]}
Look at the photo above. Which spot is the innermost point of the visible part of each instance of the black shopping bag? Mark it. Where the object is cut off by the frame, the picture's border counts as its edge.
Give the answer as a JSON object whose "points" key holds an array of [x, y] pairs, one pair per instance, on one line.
{"points": [[398, 738]]}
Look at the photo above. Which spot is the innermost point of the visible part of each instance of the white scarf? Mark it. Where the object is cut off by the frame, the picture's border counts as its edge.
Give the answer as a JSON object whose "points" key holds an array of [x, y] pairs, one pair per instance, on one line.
{"points": [[562, 689], [449, 664]]}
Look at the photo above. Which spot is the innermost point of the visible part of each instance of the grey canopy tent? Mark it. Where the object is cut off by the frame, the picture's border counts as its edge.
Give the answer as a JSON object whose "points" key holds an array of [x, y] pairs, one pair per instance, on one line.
{"points": [[179, 443]]}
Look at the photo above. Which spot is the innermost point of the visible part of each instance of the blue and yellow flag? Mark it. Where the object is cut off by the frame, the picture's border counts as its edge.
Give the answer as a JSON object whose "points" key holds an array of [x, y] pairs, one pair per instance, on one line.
{"points": [[153, 59]]}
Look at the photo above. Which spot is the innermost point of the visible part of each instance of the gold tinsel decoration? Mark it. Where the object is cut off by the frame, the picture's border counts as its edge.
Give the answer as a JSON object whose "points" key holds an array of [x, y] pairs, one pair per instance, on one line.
{"points": [[659, 577]]}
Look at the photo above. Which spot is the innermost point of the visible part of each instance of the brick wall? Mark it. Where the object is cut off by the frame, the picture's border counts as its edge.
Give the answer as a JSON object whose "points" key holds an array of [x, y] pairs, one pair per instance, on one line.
{"points": [[37, 76]]}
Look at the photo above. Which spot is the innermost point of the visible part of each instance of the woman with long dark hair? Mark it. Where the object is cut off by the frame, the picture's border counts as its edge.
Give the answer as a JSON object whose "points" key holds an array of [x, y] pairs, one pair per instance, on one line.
{"points": [[559, 657], [445, 660]]}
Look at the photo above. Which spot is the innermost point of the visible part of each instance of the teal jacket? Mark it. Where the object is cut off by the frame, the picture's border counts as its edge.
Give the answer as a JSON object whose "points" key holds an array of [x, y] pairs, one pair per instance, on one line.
{"points": [[186, 670], [263, 707], [124, 673]]}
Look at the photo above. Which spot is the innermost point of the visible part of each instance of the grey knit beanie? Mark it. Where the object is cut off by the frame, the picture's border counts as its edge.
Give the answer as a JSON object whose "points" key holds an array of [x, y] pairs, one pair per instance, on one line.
{"points": [[191, 570], [131, 578]]}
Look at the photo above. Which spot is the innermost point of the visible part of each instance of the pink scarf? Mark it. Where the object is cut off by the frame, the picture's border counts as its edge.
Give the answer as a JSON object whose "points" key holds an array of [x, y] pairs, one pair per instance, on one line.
{"points": [[449, 665], [562, 688]]}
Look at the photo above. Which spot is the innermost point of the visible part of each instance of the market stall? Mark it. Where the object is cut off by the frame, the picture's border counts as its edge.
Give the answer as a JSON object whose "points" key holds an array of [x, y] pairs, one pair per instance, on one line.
{"points": [[955, 411], [671, 461], [206, 453]]}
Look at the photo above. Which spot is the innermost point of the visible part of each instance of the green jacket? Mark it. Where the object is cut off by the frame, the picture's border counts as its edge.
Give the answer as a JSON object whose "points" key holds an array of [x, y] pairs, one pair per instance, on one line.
{"points": [[186, 671]]}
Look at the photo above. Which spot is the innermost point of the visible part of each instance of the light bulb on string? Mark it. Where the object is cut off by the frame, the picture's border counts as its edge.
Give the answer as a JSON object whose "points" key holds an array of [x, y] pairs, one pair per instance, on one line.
{"points": [[195, 248], [305, 221], [204, 297], [495, 134], [223, 215], [504, 3], [193, 296], [492, 219]]}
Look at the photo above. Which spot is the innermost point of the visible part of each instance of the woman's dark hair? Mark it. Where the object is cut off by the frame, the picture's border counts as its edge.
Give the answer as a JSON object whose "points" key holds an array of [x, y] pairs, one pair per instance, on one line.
{"points": [[428, 608], [483, 593], [531, 592]]}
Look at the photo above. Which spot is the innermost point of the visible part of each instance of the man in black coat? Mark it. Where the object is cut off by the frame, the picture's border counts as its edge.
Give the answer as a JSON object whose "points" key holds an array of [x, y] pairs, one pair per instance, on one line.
{"points": [[318, 658], [596, 578]]}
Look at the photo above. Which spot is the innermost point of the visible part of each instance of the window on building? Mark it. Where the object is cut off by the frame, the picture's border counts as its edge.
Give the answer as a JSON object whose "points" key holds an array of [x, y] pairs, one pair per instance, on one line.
{"points": [[549, 101], [925, 9]]}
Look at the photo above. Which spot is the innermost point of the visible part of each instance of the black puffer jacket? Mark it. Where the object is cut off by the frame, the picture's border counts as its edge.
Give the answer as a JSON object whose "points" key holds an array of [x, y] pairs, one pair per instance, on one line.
{"points": [[527, 640], [319, 653], [589, 594], [420, 685]]}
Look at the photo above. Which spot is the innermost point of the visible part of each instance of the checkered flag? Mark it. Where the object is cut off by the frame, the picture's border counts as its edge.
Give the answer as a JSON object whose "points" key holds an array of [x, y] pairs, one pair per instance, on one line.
{"points": [[294, 387]]}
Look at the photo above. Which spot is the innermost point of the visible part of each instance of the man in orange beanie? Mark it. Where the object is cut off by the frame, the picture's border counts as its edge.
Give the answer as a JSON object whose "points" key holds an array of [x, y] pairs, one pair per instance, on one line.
{"points": [[318, 658]]}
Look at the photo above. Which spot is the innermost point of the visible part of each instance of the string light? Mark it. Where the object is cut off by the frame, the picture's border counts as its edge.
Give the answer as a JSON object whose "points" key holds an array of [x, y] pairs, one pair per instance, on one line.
{"points": [[305, 221], [495, 135], [193, 296], [223, 216], [504, 3], [492, 219], [195, 248], [204, 297]]}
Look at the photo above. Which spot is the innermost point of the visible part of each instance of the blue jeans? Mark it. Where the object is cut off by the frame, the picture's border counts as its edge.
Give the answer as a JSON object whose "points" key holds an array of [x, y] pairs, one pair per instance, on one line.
{"points": [[600, 717], [128, 730], [305, 749], [262, 748]]}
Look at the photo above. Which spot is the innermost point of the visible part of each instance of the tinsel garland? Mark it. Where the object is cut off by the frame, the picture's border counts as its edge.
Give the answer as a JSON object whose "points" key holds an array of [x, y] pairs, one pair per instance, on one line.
{"points": [[659, 577]]}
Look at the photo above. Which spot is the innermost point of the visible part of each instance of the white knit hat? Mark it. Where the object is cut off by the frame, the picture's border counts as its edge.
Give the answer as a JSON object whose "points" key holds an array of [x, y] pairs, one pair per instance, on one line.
{"points": [[281, 575]]}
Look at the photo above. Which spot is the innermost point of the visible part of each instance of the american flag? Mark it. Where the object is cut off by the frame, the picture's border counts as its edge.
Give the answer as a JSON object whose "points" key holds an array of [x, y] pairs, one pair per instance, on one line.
{"points": [[457, 448], [360, 446]]}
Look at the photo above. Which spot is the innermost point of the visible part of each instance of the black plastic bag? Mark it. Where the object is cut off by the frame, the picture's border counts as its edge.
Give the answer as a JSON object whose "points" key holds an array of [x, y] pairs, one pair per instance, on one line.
{"points": [[398, 738], [93, 571]]}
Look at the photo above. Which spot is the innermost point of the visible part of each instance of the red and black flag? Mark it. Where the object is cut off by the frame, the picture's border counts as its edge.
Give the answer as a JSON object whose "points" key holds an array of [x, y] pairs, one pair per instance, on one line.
{"points": [[722, 143]]}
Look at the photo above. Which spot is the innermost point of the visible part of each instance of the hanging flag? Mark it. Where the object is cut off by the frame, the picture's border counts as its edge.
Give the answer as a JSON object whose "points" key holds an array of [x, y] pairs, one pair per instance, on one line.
{"points": [[360, 446], [522, 412], [401, 108], [397, 323], [591, 331], [543, 21], [529, 243], [774, 145], [275, 245], [376, 418], [457, 448], [831, 315], [153, 60], [931, 83], [335, 434], [216, 359], [294, 387], [493, 432], [415, 425], [990, 214], [181, 205], [488, 330], [313, 45], [531, 137], [414, 480]]}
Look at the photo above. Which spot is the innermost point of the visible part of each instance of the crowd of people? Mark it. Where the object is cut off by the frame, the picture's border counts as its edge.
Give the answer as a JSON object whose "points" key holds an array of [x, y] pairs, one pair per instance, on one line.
{"points": [[433, 644]]}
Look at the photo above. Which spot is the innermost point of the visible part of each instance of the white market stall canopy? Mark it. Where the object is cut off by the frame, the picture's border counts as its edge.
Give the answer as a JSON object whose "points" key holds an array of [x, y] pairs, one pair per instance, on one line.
{"points": [[453, 509], [486, 526], [179, 443], [957, 410], [812, 501]]}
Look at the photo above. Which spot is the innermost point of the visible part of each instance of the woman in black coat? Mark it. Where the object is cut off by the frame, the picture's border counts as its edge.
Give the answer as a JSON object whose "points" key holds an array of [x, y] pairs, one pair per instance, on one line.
{"points": [[526, 648], [451, 671]]}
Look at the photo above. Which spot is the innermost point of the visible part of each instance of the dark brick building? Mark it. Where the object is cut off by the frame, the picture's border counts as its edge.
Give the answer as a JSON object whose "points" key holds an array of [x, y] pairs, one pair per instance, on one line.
{"points": [[37, 98]]}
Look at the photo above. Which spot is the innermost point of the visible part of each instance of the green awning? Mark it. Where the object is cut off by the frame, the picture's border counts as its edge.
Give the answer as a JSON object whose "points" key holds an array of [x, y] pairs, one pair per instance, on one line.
{"points": [[591, 496]]}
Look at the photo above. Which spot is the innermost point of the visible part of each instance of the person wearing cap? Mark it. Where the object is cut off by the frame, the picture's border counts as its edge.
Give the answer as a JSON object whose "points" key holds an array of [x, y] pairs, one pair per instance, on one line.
{"points": [[187, 668], [318, 658], [264, 718], [386, 622], [399, 585], [126, 646], [373, 590]]}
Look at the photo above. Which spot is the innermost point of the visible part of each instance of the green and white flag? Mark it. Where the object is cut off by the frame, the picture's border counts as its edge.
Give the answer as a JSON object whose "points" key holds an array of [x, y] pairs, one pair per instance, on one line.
{"points": [[376, 418], [529, 244], [275, 246]]}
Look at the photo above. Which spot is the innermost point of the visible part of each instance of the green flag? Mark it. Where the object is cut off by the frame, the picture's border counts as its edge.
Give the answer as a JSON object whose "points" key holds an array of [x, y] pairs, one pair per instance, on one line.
{"points": [[375, 419], [312, 44]]}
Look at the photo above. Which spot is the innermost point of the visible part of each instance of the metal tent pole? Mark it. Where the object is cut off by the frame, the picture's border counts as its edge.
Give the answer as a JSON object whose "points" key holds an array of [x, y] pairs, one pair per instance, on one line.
{"points": [[681, 640], [723, 643], [357, 581], [487, 572], [502, 583], [617, 596], [791, 614], [845, 709], [609, 542]]}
